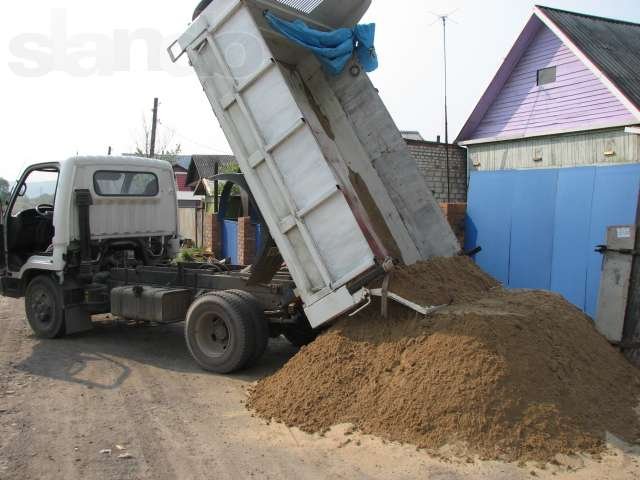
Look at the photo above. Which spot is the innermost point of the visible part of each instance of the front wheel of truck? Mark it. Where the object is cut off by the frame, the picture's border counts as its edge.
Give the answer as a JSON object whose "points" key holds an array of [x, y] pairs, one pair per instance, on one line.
{"points": [[43, 307]]}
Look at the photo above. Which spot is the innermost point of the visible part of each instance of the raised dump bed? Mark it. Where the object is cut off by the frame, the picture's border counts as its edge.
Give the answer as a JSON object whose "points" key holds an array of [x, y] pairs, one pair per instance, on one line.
{"points": [[321, 155]]}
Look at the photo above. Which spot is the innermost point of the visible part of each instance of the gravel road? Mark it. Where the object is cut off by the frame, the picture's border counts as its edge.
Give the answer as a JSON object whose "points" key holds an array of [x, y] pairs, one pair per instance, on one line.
{"points": [[127, 402]]}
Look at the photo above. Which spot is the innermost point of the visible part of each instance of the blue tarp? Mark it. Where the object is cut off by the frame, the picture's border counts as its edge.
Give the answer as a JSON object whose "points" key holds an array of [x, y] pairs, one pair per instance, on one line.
{"points": [[334, 49]]}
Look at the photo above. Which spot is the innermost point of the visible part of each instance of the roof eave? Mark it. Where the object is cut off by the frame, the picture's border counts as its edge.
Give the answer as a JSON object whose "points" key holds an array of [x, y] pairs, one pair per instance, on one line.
{"points": [[546, 133]]}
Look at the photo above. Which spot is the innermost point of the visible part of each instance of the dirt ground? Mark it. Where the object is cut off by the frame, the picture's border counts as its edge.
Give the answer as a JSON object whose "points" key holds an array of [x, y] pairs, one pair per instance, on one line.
{"points": [[71, 408]]}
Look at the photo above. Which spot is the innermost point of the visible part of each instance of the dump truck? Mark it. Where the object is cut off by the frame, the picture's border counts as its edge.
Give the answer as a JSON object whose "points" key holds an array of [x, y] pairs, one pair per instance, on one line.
{"points": [[340, 193], [322, 161]]}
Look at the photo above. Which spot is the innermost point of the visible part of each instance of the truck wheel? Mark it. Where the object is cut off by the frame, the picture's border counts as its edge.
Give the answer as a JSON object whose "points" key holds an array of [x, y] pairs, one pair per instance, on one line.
{"points": [[254, 309], [220, 338], [201, 6], [43, 306], [301, 333]]}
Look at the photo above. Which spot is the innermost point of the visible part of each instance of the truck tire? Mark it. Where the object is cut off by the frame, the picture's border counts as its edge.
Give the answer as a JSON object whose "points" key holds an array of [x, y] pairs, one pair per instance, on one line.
{"points": [[201, 6], [254, 309], [219, 336], [43, 307]]}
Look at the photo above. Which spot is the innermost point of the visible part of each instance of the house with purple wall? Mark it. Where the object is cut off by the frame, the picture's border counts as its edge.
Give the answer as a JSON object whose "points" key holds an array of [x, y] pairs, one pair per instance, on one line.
{"points": [[568, 74], [553, 153]]}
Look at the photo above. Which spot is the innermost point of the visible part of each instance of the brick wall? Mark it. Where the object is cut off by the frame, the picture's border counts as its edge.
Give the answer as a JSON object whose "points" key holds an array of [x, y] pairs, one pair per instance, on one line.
{"points": [[211, 234], [456, 214], [431, 159], [246, 241], [181, 179]]}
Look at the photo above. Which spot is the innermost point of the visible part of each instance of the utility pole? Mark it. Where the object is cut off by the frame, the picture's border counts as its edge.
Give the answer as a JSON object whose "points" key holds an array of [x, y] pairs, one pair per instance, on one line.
{"points": [[154, 125], [446, 113]]}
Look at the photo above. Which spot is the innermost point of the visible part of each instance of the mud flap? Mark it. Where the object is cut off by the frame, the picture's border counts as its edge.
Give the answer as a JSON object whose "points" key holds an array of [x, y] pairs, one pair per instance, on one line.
{"points": [[77, 320]]}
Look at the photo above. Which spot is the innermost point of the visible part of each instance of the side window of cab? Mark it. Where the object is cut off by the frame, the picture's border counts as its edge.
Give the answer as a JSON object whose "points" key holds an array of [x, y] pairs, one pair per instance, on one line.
{"points": [[37, 190]]}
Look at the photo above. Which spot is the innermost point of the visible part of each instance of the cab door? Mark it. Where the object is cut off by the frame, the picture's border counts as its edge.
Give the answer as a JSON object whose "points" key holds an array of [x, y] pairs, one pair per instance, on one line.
{"points": [[28, 219], [3, 253]]}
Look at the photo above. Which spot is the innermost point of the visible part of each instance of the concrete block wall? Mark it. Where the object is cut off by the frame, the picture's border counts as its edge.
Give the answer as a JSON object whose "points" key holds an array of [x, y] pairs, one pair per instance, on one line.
{"points": [[432, 162]]}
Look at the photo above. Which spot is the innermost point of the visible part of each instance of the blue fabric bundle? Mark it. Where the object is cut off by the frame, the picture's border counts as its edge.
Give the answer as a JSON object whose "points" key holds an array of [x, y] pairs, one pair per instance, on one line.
{"points": [[334, 49]]}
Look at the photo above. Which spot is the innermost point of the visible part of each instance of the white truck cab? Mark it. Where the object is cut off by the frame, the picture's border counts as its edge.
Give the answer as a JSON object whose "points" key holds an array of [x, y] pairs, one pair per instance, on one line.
{"points": [[131, 198], [67, 221]]}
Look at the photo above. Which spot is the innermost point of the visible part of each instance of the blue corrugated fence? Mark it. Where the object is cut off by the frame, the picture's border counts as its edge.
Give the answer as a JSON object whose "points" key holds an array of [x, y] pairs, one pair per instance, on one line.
{"points": [[539, 228]]}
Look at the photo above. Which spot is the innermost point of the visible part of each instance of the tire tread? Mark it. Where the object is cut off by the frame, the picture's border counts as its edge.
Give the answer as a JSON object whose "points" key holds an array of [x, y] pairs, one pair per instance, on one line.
{"points": [[246, 334]]}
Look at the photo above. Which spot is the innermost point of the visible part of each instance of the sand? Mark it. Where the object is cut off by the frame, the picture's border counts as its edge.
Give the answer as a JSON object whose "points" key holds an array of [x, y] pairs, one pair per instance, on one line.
{"points": [[513, 375]]}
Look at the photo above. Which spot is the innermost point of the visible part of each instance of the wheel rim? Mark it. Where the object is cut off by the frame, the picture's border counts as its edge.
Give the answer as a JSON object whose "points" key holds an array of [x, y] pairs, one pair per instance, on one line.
{"points": [[42, 307], [213, 335]]}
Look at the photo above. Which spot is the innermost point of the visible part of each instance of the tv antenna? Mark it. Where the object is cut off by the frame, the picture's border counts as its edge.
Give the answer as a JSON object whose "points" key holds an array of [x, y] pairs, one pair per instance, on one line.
{"points": [[444, 18]]}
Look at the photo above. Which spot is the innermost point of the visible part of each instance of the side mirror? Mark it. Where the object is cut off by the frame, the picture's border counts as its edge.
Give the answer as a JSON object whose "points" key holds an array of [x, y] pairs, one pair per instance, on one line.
{"points": [[23, 190]]}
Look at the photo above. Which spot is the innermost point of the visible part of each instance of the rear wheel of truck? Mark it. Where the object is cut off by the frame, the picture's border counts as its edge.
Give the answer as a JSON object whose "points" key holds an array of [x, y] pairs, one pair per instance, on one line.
{"points": [[43, 307], [253, 308], [219, 336]]}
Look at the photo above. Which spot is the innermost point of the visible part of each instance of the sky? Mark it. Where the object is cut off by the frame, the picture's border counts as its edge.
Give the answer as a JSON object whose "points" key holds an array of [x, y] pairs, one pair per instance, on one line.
{"points": [[79, 76]]}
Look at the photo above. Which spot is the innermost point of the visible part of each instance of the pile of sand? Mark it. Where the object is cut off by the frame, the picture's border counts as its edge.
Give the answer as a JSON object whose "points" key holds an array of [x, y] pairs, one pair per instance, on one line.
{"points": [[511, 374]]}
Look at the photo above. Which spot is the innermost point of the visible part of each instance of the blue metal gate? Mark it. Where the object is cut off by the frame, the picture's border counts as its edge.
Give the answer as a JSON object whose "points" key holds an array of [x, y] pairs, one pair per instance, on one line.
{"points": [[539, 228], [229, 240]]}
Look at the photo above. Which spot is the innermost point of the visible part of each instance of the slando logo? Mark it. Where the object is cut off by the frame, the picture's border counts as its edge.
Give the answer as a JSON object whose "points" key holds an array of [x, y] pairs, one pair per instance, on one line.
{"points": [[86, 54]]}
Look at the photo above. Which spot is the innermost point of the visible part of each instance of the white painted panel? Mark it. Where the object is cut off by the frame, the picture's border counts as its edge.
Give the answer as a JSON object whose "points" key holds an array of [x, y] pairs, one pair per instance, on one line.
{"points": [[314, 278], [275, 202], [213, 71], [239, 122], [339, 238], [272, 106], [243, 49], [304, 168], [332, 306], [138, 216]]}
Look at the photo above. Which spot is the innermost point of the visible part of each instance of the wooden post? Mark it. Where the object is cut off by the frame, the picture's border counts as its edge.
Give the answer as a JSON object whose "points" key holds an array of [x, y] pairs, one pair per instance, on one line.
{"points": [[216, 187], [154, 126]]}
